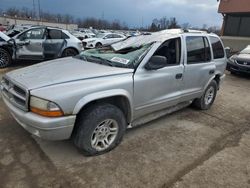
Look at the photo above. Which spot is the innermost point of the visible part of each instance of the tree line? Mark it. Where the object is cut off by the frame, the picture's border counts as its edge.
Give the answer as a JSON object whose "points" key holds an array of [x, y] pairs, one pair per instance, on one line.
{"points": [[156, 25]]}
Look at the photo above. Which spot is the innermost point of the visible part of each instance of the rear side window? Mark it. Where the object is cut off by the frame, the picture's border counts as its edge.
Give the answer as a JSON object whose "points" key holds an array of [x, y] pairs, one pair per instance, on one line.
{"points": [[198, 50], [217, 48], [64, 36], [54, 34]]}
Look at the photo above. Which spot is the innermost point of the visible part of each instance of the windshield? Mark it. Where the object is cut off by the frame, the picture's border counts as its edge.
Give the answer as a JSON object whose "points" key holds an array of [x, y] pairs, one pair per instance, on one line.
{"points": [[100, 35], [246, 50], [127, 58]]}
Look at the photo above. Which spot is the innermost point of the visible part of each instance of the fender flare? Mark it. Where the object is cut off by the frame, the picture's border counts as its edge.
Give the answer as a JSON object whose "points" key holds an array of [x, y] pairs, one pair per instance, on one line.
{"points": [[210, 80], [102, 95]]}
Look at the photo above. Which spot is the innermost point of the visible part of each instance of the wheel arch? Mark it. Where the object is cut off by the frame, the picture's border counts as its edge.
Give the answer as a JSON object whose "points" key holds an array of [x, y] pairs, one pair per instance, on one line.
{"points": [[217, 78], [119, 98], [69, 47]]}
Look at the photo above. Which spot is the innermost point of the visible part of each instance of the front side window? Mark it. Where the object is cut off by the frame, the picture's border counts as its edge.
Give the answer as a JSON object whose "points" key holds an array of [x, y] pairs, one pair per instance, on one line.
{"points": [[217, 48], [32, 34], [198, 50], [109, 36], [171, 49]]}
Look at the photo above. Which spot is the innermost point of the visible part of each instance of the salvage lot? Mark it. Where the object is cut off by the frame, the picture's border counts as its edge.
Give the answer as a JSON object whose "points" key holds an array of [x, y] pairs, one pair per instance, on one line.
{"points": [[189, 148]]}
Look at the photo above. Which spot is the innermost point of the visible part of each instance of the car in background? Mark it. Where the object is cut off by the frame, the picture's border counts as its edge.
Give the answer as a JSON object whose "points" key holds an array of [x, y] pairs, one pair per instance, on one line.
{"points": [[44, 43], [13, 30], [103, 39], [6, 50], [240, 62], [88, 33], [82, 35]]}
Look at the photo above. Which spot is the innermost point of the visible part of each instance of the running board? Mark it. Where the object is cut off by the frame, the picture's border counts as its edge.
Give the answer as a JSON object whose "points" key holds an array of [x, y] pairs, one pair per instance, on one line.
{"points": [[158, 114]]}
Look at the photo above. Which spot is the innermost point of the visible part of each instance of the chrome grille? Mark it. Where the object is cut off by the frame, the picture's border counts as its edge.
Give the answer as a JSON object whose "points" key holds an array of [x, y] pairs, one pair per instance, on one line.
{"points": [[244, 63], [15, 94]]}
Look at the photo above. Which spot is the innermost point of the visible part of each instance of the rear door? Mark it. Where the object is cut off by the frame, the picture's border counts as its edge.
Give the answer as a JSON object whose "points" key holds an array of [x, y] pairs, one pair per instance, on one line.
{"points": [[199, 66], [108, 39], [54, 43], [30, 44], [117, 37]]}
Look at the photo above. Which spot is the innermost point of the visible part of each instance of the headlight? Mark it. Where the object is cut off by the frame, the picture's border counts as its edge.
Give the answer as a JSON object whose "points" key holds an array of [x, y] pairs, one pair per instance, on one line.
{"points": [[44, 107], [232, 60], [91, 41]]}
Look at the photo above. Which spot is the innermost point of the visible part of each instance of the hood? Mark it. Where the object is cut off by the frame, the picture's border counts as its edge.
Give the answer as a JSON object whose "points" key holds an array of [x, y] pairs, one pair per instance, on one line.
{"points": [[62, 71], [242, 57]]}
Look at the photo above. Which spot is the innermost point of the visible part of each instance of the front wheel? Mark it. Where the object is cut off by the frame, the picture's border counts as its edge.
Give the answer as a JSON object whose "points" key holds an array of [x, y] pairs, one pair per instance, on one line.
{"points": [[5, 58], [207, 99], [99, 129]]}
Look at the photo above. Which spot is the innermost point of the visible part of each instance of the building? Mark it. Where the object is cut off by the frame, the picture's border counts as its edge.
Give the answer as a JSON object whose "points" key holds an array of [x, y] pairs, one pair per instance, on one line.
{"points": [[236, 23]]}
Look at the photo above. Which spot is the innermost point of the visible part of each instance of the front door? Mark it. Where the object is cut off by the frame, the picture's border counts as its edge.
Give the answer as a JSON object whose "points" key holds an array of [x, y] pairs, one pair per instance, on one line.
{"points": [[30, 44], [158, 89]]}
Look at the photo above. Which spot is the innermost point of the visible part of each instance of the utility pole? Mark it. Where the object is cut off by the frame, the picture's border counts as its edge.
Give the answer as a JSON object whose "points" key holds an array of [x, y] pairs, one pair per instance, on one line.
{"points": [[34, 9], [39, 9]]}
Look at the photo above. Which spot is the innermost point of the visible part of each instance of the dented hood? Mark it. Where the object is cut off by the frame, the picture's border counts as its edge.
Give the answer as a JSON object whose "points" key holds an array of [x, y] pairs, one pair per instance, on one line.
{"points": [[62, 71]]}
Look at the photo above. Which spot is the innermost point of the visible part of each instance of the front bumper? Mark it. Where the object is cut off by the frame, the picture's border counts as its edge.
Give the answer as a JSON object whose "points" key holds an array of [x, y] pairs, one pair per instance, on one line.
{"points": [[43, 127], [238, 68]]}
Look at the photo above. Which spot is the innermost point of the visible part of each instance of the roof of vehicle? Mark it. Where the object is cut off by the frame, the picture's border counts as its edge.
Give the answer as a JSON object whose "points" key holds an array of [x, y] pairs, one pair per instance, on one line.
{"points": [[160, 36]]}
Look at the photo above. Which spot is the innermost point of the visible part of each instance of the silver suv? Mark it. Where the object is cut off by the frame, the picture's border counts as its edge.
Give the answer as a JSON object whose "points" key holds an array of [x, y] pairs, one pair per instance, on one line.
{"points": [[94, 97]]}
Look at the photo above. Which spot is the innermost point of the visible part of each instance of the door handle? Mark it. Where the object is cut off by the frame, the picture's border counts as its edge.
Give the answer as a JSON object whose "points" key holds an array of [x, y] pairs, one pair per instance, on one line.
{"points": [[178, 76], [211, 72]]}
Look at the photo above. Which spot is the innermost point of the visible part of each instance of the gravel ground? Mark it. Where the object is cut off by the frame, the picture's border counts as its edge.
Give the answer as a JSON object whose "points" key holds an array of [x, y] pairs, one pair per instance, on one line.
{"points": [[189, 148]]}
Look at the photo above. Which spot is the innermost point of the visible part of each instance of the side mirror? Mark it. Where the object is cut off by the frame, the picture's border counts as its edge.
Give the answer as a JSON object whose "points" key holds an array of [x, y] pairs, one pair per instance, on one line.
{"points": [[156, 62], [228, 51]]}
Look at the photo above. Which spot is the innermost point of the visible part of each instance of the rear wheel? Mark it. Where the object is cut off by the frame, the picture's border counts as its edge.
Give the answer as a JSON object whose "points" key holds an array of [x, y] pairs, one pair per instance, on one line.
{"points": [[69, 52], [99, 129], [207, 99], [5, 58]]}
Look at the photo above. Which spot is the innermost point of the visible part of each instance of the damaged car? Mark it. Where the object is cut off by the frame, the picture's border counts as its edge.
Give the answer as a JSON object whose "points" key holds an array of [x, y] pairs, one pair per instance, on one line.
{"points": [[43, 43], [110, 89], [240, 62]]}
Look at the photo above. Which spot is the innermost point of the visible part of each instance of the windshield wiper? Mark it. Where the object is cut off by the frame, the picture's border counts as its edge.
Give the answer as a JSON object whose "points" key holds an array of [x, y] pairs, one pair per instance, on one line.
{"points": [[107, 62]]}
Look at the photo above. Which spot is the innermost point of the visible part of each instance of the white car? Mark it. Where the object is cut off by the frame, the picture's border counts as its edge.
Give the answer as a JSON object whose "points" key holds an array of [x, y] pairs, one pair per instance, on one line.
{"points": [[102, 39]]}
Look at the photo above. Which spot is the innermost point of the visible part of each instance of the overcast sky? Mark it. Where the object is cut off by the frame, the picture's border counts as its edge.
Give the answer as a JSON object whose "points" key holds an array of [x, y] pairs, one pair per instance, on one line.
{"points": [[133, 12]]}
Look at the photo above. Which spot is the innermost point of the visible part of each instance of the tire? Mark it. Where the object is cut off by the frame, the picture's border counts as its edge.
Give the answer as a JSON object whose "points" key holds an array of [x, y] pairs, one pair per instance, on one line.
{"points": [[69, 52], [98, 45], [5, 58], [99, 129], [207, 99]]}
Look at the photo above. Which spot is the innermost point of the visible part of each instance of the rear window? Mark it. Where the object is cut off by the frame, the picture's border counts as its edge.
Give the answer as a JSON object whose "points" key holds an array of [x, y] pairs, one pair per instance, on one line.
{"points": [[217, 48], [198, 50]]}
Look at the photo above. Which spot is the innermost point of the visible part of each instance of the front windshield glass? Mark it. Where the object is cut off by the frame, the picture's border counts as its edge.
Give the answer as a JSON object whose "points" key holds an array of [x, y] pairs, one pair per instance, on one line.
{"points": [[246, 50], [100, 35], [127, 58]]}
